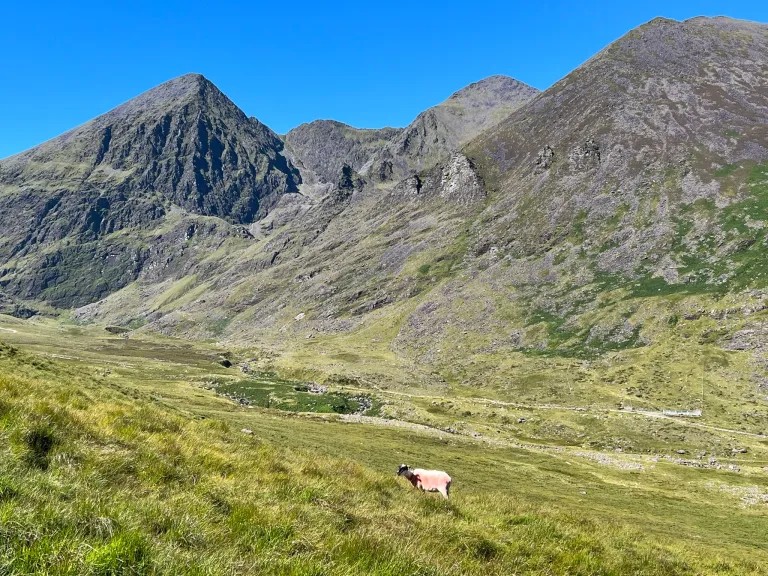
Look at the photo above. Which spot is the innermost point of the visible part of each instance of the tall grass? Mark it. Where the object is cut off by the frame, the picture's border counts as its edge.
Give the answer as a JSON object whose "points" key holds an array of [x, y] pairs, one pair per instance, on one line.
{"points": [[97, 481]]}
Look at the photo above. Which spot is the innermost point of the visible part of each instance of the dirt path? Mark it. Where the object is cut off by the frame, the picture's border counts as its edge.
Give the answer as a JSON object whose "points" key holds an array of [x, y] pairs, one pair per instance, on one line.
{"points": [[642, 413]]}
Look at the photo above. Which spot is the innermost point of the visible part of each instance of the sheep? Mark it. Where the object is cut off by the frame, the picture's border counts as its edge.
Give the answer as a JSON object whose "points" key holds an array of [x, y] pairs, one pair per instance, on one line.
{"points": [[427, 480]]}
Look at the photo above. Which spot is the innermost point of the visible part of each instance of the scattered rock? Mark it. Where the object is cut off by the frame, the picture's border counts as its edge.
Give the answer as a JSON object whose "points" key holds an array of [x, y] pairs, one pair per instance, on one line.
{"points": [[117, 329], [544, 159], [585, 156]]}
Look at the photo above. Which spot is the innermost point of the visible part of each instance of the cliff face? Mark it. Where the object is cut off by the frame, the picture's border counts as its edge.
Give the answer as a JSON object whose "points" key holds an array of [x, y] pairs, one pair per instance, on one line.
{"points": [[326, 146], [180, 146]]}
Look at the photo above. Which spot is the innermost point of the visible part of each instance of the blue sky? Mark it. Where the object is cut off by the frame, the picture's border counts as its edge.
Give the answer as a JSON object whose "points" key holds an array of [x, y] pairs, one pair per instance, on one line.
{"points": [[368, 64]]}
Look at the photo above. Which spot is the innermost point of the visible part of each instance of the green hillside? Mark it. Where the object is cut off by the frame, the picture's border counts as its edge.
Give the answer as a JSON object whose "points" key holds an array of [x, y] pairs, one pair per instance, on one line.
{"points": [[116, 459]]}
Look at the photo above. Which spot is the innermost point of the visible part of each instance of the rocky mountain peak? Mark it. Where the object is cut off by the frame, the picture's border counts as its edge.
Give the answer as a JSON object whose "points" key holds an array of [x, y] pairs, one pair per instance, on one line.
{"points": [[180, 147], [324, 147], [181, 89], [493, 91], [183, 140], [438, 131], [392, 154], [648, 121]]}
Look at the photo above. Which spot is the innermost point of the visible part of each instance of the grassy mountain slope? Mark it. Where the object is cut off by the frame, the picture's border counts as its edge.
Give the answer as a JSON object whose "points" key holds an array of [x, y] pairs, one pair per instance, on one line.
{"points": [[136, 469]]}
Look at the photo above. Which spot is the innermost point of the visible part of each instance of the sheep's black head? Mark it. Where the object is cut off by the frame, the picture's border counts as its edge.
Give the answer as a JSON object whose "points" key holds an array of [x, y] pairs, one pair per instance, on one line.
{"points": [[403, 468]]}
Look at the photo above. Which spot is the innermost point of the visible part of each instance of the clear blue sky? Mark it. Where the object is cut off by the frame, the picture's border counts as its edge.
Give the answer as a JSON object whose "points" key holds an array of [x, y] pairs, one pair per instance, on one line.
{"points": [[368, 64]]}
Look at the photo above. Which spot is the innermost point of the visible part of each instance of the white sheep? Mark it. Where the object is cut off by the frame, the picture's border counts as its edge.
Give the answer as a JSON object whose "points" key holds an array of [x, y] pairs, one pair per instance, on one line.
{"points": [[427, 480]]}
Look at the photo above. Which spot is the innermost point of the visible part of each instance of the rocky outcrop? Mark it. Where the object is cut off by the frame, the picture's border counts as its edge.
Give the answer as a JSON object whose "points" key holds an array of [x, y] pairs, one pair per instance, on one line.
{"points": [[443, 129], [544, 159], [454, 180], [585, 156]]}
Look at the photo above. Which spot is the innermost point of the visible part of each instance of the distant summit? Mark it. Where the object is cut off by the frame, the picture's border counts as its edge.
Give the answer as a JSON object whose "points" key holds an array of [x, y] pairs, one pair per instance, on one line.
{"points": [[391, 154], [184, 140], [74, 211]]}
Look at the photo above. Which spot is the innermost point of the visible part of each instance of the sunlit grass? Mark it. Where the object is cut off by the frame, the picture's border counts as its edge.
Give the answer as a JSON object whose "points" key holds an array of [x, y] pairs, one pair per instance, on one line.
{"points": [[101, 477]]}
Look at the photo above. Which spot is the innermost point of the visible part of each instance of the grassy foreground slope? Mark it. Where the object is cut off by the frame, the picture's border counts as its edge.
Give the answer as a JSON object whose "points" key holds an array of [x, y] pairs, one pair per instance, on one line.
{"points": [[137, 473]]}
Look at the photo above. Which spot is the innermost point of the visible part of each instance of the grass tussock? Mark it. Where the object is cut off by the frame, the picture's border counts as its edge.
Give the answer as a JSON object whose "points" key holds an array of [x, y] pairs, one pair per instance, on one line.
{"points": [[95, 481]]}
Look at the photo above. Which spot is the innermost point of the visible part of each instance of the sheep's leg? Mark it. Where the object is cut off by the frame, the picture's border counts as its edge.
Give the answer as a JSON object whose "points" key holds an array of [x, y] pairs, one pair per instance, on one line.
{"points": [[444, 491]]}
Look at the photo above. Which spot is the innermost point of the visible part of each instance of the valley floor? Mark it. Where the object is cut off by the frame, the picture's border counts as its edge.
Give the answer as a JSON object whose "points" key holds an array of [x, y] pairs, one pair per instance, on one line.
{"points": [[118, 456]]}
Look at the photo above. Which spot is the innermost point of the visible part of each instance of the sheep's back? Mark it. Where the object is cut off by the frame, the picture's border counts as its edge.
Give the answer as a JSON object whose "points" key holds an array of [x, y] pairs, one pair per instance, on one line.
{"points": [[432, 479]]}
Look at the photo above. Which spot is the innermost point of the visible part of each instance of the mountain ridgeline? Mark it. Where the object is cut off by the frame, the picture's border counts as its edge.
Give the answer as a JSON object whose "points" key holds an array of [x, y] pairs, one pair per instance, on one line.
{"points": [[569, 223]]}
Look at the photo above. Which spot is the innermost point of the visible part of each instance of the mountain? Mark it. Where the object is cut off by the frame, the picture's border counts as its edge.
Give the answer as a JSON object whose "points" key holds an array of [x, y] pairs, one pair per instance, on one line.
{"points": [[626, 224], [390, 154], [579, 241], [184, 141], [448, 126], [326, 146], [182, 146], [562, 302], [646, 127]]}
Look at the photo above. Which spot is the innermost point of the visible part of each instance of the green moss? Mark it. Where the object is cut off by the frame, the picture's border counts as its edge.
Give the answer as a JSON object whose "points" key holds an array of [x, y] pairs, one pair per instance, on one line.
{"points": [[724, 171], [577, 234], [267, 390], [219, 325]]}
